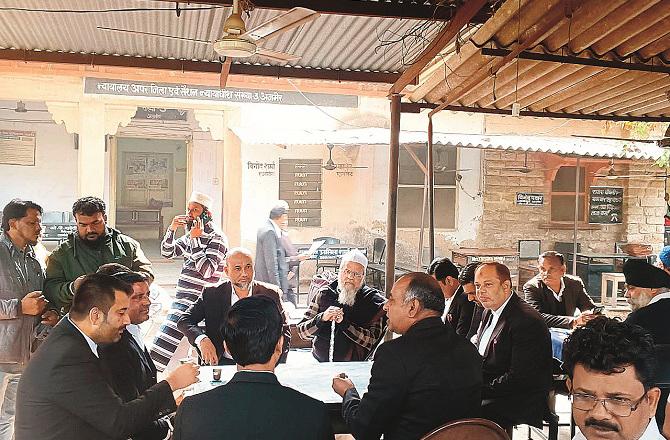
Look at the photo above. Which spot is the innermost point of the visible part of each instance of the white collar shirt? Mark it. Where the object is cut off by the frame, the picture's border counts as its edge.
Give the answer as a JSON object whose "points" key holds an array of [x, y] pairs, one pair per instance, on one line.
{"points": [[559, 295], [136, 333], [93, 346], [659, 297], [486, 336], [447, 304], [651, 433]]}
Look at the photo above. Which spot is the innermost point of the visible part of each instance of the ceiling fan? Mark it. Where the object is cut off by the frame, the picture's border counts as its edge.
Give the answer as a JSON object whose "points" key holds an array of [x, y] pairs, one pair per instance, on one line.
{"points": [[612, 173], [238, 42], [331, 165], [21, 108], [663, 142]]}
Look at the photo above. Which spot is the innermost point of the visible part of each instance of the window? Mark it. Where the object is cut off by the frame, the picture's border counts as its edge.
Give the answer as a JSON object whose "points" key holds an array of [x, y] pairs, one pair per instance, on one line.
{"points": [[411, 182], [563, 195]]}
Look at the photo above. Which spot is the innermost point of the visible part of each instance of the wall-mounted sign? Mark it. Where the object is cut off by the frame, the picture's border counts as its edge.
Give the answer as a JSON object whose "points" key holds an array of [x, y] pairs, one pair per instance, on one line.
{"points": [[264, 169], [300, 187], [102, 86], [530, 199], [605, 205], [161, 114], [17, 147]]}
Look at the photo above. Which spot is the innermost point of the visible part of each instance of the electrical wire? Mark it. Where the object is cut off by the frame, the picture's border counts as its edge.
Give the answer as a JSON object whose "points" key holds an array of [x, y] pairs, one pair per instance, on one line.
{"points": [[105, 11]]}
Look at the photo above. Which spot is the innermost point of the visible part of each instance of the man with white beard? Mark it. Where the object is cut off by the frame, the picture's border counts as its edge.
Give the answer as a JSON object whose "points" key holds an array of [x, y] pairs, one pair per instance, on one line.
{"points": [[345, 318]]}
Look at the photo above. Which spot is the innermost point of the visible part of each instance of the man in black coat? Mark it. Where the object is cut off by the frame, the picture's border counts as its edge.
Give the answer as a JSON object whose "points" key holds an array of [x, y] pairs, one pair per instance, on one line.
{"points": [[131, 369], [515, 343], [215, 302], [64, 393], [648, 293], [457, 309], [421, 380], [253, 405], [557, 295]]}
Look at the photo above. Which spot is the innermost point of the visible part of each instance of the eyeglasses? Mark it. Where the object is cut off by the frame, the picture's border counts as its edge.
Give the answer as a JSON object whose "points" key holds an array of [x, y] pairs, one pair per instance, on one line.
{"points": [[357, 275], [620, 407]]}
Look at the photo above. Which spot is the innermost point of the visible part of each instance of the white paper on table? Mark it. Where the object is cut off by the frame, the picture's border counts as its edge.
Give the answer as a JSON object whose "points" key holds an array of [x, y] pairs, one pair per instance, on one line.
{"points": [[315, 245]]}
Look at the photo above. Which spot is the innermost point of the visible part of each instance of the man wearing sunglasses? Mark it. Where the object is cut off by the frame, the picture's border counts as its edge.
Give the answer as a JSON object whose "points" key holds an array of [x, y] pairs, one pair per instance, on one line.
{"points": [[611, 367]]}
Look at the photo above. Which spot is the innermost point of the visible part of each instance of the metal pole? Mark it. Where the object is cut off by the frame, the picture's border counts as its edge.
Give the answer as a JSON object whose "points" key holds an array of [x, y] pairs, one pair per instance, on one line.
{"points": [[431, 192], [392, 208], [423, 222], [574, 230]]}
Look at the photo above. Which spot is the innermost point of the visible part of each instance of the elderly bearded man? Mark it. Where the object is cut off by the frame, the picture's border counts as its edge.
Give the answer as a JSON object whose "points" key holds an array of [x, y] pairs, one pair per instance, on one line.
{"points": [[354, 309]]}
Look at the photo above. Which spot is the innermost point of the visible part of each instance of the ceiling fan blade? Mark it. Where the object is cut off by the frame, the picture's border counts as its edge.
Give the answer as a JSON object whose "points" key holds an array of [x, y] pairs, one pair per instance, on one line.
{"points": [[275, 55], [225, 70], [649, 141], [130, 31], [281, 23]]}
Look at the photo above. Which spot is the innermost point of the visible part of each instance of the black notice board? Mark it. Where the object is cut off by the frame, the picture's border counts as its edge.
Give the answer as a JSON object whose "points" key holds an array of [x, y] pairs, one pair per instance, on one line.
{"points": [[605, 204], [300, 186]]}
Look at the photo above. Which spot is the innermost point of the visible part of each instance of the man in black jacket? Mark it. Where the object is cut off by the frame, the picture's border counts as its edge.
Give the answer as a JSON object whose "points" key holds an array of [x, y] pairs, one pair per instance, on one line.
{"points": [[421, 380], [253, 404], [648, 293], [457, 309], [215, 302], [64, 393], [128, 363], [515, 343]]}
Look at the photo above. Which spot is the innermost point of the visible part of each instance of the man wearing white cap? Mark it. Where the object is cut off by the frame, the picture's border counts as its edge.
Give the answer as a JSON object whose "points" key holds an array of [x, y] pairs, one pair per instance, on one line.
{"points": [[203, 247], [352, 309]]}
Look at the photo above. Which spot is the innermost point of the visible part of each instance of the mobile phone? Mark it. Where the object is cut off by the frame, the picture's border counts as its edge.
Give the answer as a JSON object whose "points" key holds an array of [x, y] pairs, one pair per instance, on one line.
{"points": [[598, 310]]}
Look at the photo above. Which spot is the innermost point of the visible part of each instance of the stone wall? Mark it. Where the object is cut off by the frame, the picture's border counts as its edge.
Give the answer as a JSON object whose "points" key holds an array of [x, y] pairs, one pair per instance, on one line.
{"points": [[504, 223]]}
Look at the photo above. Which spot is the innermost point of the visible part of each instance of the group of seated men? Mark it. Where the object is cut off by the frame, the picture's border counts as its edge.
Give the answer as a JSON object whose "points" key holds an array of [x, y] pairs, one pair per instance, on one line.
{"points": [[92, 377]]}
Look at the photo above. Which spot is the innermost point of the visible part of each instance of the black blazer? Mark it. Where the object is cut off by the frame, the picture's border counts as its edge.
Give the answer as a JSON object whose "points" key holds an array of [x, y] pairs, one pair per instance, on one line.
{"points": [[541, 298], [517, 363], [252, 406], [460, 311], [654, 318], [64, 394], [213, 306], [132, 372], [419, 381]]}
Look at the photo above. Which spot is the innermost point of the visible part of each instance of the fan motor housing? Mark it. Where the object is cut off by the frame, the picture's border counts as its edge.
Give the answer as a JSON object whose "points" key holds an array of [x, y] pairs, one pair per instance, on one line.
{"points": [[234, 47]]}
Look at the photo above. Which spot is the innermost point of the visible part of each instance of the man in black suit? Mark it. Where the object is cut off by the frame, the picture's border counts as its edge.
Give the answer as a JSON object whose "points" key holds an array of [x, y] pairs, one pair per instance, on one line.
{"points": [[515, 343], [215, 302], [457, 308], [64, 393], [421, 380], [648, 293], [128, 362], [466, 278], [253, 405]]}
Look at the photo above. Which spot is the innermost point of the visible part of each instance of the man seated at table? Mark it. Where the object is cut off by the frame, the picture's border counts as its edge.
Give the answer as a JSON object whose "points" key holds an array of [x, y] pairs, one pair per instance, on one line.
{"points": [[354, 309], [253, 404], [648, 293], [466, 279], [516, 346], [215, 302], [457, 308], [421, 380], [130, 368], [611, 367], [557, 296]]}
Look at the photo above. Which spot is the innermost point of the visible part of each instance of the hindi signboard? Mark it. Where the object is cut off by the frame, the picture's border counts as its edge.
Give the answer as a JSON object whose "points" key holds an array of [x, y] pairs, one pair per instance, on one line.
{"points": [[530, 199], [17, 147], [161, 114], [300, 187], [117, 87], [605, 205]]}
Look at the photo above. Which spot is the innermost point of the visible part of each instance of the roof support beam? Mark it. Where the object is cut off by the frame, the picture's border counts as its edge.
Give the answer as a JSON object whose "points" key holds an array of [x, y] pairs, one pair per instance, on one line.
{"points": [[577, 60], [196, 66], [407, 107], [463, 16], [366, 8]]}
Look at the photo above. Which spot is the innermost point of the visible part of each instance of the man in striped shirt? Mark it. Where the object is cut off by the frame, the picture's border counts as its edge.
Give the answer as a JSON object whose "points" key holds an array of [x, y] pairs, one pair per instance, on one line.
{"points": [[203, 248]]}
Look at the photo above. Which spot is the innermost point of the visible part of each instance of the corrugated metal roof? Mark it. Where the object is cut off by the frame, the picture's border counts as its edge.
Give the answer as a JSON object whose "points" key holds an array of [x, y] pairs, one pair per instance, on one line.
{"points": [[608, 148], [329, 42], [636, 31]]}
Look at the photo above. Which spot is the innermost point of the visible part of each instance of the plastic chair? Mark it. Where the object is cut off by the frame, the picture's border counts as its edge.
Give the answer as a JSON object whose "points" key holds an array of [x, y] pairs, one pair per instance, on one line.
{"points": [[467, 429]]}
